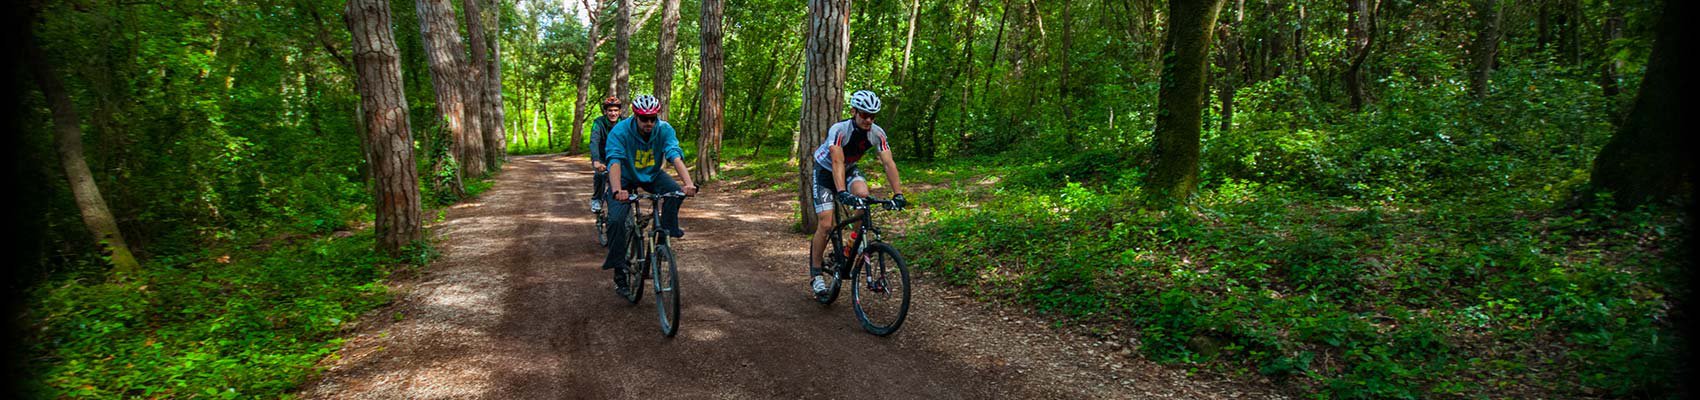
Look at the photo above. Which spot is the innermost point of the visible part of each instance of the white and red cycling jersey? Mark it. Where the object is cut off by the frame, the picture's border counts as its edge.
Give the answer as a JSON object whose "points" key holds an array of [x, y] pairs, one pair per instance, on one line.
{"points": [[855, 141]]}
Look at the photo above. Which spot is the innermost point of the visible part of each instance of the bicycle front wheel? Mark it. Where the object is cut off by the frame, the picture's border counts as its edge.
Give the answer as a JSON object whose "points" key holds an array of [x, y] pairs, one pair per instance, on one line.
{"points": [[666, 271], [880, 289]]}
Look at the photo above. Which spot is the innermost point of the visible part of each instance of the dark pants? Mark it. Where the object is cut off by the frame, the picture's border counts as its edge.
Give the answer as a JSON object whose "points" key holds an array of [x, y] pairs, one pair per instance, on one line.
{"points": [[601, 190], [618, 211]]}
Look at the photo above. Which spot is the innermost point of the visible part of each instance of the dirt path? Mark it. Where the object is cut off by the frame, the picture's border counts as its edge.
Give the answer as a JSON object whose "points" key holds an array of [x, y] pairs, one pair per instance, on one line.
{"points": [[517, 307]]}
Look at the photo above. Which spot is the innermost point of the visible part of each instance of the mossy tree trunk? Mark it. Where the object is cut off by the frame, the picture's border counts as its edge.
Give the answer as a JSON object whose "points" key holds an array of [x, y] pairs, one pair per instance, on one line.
{"points": [[1645, 162], [1180, 100]]}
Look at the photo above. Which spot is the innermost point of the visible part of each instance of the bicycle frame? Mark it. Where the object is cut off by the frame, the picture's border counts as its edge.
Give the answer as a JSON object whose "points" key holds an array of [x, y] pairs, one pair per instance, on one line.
{"points": [[863, 231]]}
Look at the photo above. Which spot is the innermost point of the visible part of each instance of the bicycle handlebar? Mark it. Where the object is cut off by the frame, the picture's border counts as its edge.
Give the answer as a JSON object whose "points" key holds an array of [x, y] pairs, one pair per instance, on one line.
{"points": [[885, 203], [677, 194]]}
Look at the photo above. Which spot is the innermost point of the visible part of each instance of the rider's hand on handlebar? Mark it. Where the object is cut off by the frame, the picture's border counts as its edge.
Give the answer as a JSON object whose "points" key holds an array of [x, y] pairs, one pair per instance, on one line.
{"points": [[599, 166], [849, 199], [690, 190], [622, 195], [899, 202]]}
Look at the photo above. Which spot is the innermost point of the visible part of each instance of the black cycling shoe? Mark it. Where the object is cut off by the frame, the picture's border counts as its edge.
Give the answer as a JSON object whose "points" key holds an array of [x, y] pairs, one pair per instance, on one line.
{"points": [[620, 286], [676, 233]]}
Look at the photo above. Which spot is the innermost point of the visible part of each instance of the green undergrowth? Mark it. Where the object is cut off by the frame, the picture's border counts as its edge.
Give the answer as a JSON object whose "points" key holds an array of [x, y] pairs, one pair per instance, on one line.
{"points": [[1339, 298], [245, 317]]}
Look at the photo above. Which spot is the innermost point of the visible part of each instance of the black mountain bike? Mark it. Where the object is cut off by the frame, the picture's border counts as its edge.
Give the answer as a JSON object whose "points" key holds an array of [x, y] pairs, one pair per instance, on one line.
{"points": [[652, 258], [602, 214], [878, 276]]}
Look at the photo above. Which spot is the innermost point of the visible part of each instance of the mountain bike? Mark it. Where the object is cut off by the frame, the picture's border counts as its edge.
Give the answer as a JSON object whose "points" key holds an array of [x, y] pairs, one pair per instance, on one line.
{"points": [[602, 214], [650, 256], [878, 276]]}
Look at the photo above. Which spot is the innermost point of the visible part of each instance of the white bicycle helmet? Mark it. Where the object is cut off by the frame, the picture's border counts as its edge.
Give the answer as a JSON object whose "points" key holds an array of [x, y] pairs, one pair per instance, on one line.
{"points": [[865, 101]]}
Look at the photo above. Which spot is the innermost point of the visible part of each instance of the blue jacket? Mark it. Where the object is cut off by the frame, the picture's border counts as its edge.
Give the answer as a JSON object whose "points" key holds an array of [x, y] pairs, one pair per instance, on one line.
{"points": [[635, 155]]}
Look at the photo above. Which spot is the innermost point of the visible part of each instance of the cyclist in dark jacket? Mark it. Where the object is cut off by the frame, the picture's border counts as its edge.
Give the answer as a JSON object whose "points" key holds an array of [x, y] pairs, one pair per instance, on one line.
{"points": [[598, 151]]}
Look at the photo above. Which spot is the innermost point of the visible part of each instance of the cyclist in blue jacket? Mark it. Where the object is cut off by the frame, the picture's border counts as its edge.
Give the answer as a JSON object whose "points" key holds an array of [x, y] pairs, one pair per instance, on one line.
{"points": [[636, 148]]}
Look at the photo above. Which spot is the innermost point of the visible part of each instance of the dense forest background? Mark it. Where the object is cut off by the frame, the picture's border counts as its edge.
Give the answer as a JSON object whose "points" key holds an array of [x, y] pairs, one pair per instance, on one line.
{"points": [[1385, 198]]}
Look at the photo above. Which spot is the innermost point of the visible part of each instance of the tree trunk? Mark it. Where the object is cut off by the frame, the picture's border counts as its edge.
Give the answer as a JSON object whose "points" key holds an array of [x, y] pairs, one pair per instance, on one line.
{"points": [[1486, 47], [478, 85], [1232, 65], [68, 139], [1180, 100], [997, 44], [384, 116], [664, 53], [493, 88], [1064, 59], [1611, 71], [618, 81], [1645, 162], [1359, 37], [713, 82], [548, 128], [909, 43], [823, 90], [595, 10], [447, 57]]}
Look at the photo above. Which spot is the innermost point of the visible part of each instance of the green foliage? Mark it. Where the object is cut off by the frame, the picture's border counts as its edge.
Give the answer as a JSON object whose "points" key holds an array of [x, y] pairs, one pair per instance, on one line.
{"points": [[1354, 302], [225, 322]]}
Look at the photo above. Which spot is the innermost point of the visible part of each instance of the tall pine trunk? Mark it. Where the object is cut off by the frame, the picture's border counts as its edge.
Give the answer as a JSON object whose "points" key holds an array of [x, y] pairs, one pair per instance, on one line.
{"points": [[664, 54], [823, 91], [618, 81], [493, 79], [593, 41], [477, 84], [1180, 100], [712, 113], [389, 136], [68, 139], [447, 57]]}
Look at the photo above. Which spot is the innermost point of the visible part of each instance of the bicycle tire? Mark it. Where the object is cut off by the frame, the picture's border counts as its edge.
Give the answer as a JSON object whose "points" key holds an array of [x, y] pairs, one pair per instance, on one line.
{"points": [[666, 284], [873, 281], [634, 269]]}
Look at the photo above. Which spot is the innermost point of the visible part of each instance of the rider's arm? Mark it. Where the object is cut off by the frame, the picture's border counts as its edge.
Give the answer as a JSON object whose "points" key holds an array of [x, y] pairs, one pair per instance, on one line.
{"points": [[676, 155], [838, 167], [598, 134], [616, 157], [684, 174], [891, 172]]}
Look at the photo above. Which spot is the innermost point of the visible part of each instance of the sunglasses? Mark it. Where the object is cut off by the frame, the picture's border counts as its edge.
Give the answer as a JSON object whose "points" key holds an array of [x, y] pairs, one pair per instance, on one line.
{"points": [[866, 115], [646, 118]]}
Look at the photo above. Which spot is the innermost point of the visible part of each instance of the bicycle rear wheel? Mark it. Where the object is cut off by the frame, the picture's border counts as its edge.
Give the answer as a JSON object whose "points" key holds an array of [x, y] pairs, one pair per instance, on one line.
{"points": [[880, 289], [666, 284], [832, 262]]}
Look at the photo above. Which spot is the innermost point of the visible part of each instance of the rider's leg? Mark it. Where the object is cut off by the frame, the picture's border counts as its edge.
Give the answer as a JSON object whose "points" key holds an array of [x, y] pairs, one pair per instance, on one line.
{"points": [[858, 187], [817, 245], [823, 202], [618, 211], [600, 188], [669, 206]]}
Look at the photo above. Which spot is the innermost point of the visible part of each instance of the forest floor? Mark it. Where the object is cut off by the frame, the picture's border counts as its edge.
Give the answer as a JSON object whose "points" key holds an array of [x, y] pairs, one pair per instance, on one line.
{"points": [[518, 307]]}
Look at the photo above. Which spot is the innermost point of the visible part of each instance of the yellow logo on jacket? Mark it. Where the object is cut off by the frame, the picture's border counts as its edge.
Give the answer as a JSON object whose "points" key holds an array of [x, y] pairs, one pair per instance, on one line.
{"points": [[643, 159]]}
